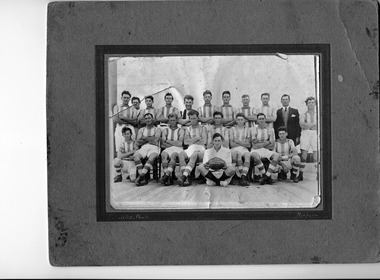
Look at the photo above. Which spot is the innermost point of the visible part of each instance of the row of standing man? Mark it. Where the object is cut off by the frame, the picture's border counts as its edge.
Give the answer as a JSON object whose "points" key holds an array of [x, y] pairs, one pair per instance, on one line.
{"points": [[249, 135]]}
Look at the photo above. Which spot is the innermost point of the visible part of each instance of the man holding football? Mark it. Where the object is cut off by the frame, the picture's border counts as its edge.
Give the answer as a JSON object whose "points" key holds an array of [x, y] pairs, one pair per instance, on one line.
{"points": [[217, 163]]}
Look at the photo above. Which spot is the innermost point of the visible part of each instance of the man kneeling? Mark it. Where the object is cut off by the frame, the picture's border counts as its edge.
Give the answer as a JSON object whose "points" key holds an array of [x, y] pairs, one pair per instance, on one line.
{"points": [[221, 175]]}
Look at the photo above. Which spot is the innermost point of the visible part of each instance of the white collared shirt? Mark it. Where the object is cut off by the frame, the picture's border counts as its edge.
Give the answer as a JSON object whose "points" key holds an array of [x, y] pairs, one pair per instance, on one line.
{"points": [[223, 153]]}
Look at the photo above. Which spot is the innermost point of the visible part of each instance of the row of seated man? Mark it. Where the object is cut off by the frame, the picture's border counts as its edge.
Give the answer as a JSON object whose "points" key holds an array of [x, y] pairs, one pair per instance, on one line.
{"points": [[189, 145]]}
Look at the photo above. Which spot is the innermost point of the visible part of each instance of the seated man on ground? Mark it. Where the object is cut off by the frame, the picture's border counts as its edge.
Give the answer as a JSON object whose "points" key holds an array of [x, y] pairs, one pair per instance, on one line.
{"points": [[262, 147], [124, 162], [148, 139], [195, 138], [172, 141], [216, 166], [240, 143], [289, 159]]}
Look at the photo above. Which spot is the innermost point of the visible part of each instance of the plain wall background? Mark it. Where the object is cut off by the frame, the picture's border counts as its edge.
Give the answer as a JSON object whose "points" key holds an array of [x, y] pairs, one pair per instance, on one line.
{"points": [[252, 75]]}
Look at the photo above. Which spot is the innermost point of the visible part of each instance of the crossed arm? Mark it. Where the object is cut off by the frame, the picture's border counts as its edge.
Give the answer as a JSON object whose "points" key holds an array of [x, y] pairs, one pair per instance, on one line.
{"points": [[202, 140], [166, 143], [236, 143], [122, 154], [305, 125], [154, 140], [268, 144]]}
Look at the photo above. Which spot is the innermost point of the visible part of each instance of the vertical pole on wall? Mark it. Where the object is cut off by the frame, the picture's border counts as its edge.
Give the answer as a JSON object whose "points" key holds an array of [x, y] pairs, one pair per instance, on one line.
{"points": [[318, 98], [111, 93]]}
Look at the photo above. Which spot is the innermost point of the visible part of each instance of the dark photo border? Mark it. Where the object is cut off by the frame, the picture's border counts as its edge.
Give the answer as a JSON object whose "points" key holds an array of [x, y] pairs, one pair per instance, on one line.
{"points": [[322, 211]]}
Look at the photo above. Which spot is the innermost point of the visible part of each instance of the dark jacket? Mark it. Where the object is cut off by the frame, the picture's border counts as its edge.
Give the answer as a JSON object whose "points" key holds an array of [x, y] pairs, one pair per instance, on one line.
{"points": [[293, 124]]}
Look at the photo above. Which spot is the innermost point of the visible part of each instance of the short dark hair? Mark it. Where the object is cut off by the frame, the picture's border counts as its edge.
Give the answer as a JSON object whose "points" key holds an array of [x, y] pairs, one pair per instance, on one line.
{"points": [[265, 93], [239, 115], [149, 97], [217, 135], [126, 92], [310, 98], [260, 114], [188, 97], [168, 94], [125, 129], [285, 95], [244, 95], [217, 113], [226, 92], [173, 115], [207, 92], [136, 98], [193, 112], [148, 114], [282, 128]]}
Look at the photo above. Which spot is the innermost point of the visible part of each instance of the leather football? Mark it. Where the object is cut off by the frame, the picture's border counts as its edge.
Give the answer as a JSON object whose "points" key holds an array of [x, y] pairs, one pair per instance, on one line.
{"points": [[216, 163]]}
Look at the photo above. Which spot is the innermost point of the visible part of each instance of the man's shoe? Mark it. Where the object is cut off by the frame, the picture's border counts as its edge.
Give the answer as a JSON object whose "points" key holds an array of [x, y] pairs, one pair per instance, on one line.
{"points": [[244, 181], [201, 179], [264, 180], [187, 181], [295, 179], [169, 181], [281, 176], [145, 179], [235, 180], [300, 176], [164, 179], [257, 178], [139, 181], [118, 178], [270, 180], [181, 180]]}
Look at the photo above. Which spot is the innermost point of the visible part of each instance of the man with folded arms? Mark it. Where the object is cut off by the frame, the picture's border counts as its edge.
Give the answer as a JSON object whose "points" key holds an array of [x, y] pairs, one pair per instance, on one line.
{"points": [[240, 143], [172, 141], [195, 138], [262, 147], [148, 139]]}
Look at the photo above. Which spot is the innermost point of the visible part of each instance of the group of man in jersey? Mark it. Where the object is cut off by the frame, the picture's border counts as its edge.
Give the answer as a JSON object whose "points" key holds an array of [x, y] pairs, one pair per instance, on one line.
{"points": [[238, 136]]}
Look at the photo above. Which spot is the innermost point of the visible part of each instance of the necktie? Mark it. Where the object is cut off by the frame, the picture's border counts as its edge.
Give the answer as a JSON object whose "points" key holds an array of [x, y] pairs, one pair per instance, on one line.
{"points": [[286, 117]]}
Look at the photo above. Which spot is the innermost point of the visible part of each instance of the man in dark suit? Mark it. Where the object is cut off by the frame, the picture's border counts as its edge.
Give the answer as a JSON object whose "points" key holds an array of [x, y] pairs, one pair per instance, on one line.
{"points": [[290, 118]]}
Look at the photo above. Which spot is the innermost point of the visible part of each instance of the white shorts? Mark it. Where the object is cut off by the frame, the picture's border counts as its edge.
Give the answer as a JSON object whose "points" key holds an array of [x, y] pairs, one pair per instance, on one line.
{"points": [[290, 162], [193, 148], [147, 149], [263, 153], [128, 166], [309, 138], [119, 137], [241, 150], [173, 149]]}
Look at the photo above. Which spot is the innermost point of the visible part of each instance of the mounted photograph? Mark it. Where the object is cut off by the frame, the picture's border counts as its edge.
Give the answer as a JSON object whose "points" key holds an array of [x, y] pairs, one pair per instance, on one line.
{"points": [[199, 131]]}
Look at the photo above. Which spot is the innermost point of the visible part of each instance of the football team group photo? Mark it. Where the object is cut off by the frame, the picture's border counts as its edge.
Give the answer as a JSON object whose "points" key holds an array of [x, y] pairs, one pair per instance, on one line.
{"points": [[244, 146]]}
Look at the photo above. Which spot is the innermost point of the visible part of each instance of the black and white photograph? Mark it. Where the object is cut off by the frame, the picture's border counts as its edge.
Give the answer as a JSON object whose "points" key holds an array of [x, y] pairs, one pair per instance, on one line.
{"points": [[213, 131]]}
